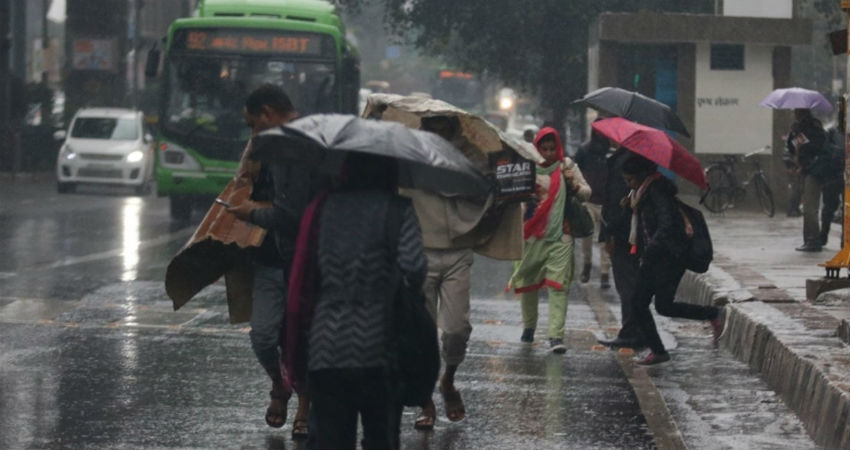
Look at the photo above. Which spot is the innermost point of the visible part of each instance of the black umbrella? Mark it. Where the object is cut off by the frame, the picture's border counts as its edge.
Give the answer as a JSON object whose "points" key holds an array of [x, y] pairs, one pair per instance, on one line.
{"points": [[635, 107], [426, 161]]}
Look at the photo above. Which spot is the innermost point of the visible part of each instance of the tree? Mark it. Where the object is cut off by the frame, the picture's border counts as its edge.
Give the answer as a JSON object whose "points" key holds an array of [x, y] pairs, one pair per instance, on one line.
{"points": [[536, 45]]}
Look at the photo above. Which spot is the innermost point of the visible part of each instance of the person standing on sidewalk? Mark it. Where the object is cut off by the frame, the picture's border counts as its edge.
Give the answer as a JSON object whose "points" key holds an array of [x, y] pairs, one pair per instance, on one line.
{"points": [[448, 231], [829, 170], [616, 224], [547, 258], [659, 239], [591, 159], [289, 189], [806, 144]]}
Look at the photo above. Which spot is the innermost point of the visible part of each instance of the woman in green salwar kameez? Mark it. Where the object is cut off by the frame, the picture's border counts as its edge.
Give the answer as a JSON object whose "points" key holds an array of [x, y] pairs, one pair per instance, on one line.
{"points": [[547, 259]]}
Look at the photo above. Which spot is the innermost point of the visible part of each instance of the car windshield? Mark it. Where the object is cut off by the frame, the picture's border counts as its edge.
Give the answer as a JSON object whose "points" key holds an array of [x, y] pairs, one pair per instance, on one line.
{"points": [[207, 93], [118, 129]]}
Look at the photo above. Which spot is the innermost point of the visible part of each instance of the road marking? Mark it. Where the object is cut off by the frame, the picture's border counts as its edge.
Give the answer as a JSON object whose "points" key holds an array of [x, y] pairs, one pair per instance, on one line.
{"points": [[664, 430], [115, 253]]}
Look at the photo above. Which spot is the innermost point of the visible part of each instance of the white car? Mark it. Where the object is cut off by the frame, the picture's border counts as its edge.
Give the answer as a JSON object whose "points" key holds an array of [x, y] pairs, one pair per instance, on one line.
{"points": [[105, 146]]}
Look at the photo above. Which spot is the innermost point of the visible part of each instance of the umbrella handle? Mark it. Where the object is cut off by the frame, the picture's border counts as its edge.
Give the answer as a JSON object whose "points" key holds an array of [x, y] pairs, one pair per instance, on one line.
{"points": [[704, 195]]}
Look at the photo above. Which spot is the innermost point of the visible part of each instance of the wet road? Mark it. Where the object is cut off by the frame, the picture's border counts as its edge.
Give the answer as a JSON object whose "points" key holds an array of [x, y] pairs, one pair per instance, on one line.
{"points": [[91, 355]]}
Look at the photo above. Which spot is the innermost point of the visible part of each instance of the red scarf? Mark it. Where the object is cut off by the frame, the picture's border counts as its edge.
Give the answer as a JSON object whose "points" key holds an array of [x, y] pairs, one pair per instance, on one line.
{"points": [[536, 225], [301, 297]]}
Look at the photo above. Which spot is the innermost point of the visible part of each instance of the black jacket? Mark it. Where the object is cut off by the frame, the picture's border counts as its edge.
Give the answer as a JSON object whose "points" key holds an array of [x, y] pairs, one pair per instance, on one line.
{"points": [[590, 158], [616, 218], [294, 186], [815, 136], [661, 228]]}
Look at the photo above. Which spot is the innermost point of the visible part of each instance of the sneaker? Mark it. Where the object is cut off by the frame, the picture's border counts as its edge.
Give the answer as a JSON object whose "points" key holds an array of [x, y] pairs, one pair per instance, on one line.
{"points": [[654, 358], [527, 335], [718, 324], [603, 281], [557, 346]]}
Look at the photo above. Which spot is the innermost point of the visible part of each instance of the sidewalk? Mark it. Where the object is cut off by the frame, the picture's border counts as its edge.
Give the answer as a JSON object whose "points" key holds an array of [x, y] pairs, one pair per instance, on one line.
{"points": [[794, 344]]}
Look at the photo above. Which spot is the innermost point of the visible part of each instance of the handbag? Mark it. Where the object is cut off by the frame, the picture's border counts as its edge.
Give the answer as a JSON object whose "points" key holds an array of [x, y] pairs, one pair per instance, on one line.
{"points": [[413, 350], [577, 218]]}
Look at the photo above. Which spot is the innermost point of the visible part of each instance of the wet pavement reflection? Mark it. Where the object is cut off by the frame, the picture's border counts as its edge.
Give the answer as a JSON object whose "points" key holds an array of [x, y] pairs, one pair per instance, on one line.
{"points": [[92, 355]]}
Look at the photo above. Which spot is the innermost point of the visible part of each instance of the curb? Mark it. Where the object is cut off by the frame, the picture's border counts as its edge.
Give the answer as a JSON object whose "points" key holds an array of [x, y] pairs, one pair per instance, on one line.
{"points": [[780, 341]]}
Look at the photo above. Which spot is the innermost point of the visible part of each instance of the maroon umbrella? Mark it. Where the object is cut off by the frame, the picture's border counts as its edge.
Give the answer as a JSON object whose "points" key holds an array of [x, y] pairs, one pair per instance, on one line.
{"points": [[655, 145]]}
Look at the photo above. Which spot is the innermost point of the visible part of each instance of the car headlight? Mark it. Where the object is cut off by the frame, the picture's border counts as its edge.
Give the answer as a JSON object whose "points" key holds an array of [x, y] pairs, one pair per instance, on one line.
{"points": [[135, 156], [67, 153]]}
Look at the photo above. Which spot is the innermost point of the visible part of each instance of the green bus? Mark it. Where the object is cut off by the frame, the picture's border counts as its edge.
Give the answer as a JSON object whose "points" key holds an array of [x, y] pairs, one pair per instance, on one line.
{"points": [[215, 58]]}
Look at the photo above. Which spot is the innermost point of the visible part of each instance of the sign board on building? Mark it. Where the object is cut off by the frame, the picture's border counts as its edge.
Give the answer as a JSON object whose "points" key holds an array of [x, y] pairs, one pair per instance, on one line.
{"points": [[727, 115], [94, 54]]}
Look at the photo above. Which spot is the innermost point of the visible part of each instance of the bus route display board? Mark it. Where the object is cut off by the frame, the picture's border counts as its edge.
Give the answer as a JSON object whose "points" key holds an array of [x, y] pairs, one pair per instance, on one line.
{"points": [[247, 41]]}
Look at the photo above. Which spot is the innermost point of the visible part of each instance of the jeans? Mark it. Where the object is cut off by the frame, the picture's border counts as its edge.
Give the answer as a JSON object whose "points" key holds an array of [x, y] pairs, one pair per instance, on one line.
{"points": [[267, 311], [339, 395]]}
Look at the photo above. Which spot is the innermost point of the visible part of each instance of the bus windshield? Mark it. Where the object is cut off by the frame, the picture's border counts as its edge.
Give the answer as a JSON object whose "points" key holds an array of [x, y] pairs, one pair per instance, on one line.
{"points": [[462, 91], [206, 93]]}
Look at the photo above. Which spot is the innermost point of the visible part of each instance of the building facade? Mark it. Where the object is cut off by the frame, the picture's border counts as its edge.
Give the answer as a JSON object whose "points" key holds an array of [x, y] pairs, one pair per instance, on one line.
{"points": [[711, 70]]}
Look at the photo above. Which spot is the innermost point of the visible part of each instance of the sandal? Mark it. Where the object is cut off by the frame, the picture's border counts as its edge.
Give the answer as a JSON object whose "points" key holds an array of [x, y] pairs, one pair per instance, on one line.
{"points": [[455, 409], [299, 429], [425, 421], [276, 412]]}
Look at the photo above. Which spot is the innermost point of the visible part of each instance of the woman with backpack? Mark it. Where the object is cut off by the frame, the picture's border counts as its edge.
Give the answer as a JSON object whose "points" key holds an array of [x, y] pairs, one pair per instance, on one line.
{"points": [[659, 238]]}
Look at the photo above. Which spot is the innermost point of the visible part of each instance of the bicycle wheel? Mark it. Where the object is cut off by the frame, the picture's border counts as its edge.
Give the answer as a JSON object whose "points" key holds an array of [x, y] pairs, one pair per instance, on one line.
{"points": [[764, 195], [719, 196]]}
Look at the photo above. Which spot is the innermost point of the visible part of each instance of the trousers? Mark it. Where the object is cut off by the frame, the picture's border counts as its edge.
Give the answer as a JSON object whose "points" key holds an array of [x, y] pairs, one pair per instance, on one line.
{"points": [[338, 396], [811, 207], [660, 281], [267, 310], [447, 299], [624, 266], [587, 243]]}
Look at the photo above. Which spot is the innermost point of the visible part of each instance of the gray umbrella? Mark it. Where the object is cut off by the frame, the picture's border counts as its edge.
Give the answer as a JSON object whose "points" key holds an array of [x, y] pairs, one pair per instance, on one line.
{"points": [[635, 107], [426, 161]]}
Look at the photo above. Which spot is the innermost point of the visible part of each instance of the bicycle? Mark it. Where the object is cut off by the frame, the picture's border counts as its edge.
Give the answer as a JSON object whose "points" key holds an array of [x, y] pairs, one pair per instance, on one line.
{"points": [[725, 188]]}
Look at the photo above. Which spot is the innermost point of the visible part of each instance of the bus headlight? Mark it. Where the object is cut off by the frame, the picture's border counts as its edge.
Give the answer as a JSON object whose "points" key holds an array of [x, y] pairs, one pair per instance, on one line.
{"points": [[506, 103], [171, 156], [135, 156]]}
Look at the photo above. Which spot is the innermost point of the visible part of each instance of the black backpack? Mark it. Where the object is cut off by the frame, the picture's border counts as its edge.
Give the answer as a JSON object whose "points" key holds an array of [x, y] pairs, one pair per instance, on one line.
{"points": [[699, 252], [411, 332]]}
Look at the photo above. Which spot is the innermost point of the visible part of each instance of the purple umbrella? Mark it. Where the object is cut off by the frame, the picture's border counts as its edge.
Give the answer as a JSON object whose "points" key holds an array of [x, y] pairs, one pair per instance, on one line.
{"points": [[797, 98]]}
